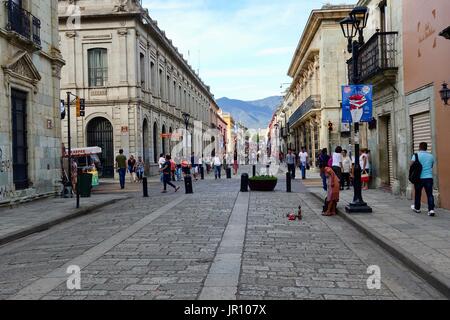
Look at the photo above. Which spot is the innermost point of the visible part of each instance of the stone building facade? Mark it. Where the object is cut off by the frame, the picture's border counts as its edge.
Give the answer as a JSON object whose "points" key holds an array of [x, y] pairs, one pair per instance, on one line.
{"points": [[313, 99], [30, 131], [135, 82]]}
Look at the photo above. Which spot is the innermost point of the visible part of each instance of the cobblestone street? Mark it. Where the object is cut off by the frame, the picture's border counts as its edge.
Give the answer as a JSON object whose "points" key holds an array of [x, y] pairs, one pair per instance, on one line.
{"points": [[215, 244]]}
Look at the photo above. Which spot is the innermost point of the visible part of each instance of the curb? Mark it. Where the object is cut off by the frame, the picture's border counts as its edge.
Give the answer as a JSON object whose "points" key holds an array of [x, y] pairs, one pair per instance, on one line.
{"points": [[429, 274], [51, 223]]}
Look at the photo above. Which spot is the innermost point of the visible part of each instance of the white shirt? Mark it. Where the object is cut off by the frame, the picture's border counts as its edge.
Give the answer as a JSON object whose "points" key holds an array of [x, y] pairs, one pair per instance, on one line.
{"points": [[217, 161], [303, 157], [347, 164], [161, 162], [337, 159], [361, 162]]}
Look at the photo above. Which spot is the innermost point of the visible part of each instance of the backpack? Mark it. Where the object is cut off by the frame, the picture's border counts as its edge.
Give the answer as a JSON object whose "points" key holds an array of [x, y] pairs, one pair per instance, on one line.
{"points": [[415, 171]]}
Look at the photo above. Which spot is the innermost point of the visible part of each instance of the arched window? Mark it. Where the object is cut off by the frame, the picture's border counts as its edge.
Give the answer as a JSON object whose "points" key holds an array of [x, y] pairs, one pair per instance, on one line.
{"points": [[163, 131], [98, 67]]}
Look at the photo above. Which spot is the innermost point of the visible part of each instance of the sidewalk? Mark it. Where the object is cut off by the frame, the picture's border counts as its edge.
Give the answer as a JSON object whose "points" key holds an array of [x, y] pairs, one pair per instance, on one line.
{"points": [[37, 216], [419, 241]]}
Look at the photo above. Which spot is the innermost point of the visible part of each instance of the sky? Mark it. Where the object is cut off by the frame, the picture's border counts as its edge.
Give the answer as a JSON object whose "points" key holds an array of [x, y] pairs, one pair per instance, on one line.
{"points": [[242, 48]]}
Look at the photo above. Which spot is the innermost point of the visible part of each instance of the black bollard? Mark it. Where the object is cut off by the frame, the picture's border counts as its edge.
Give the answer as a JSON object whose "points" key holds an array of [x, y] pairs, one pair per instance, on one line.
{"points": [[254, 170], [188, 184], [244, 182], [288, 182], [202, 172], [145, 186]]}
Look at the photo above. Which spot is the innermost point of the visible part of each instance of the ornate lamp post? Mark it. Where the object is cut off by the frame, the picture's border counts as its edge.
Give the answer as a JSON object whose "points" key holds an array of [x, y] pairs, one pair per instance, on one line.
{"points": [[186, 117], [351, 27]]}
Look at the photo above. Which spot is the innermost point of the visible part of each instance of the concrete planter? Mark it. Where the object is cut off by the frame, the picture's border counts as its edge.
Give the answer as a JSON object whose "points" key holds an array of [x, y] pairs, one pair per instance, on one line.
{"points": [[262, 185]]}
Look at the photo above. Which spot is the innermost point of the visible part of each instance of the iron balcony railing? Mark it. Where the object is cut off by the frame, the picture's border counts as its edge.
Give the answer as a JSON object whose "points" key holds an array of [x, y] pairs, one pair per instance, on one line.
{"points": [[311, 103], [375, 56], [23, 22]]}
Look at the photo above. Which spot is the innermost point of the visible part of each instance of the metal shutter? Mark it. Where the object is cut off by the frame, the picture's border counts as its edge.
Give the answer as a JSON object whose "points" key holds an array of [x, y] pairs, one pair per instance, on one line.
{"points": [[421, 127]]}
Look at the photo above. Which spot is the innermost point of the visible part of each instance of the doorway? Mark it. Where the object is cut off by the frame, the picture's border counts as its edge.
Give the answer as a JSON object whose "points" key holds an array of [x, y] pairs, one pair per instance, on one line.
{"points": [[100, 134]]}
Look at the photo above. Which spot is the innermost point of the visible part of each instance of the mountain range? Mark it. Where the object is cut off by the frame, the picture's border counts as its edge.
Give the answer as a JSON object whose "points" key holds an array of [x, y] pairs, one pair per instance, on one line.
{"points": [[253, 114]]}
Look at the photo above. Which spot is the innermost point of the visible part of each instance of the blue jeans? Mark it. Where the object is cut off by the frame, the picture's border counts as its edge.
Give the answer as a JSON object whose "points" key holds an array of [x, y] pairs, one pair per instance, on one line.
{"points": [[218, 171], [303, 170], [324, 181], [428, 185], [122, 174]]}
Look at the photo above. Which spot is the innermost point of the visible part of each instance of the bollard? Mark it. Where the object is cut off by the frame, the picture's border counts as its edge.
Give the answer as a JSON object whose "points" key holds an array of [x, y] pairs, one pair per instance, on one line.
{"points": [[288, 182], [254, 170], [202, 172], [228, 173], [268, 170], [145, 186], [188, 184], [244, 182]]}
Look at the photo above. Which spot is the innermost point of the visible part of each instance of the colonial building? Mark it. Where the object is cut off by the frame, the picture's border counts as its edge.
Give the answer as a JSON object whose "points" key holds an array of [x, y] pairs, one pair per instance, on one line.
{"points": [[313, 99], [30, 131], [136, 84]]}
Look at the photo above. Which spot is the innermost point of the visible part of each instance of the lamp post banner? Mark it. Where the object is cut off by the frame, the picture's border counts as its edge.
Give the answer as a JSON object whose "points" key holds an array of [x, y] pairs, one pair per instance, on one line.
{"points": [[357, 103]]}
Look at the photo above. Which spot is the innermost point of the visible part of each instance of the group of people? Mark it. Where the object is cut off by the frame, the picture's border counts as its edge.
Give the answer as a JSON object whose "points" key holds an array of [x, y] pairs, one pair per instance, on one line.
{"points": [[301, 160], [134, 167]]}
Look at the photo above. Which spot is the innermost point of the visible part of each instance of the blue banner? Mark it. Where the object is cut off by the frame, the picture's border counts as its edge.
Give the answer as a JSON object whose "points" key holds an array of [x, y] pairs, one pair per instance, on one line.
{"points": [[357, 103]]}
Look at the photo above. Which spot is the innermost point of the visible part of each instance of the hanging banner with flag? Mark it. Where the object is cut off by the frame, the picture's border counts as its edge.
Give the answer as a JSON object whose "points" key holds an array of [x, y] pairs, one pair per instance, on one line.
{"points": [[357, 103]]}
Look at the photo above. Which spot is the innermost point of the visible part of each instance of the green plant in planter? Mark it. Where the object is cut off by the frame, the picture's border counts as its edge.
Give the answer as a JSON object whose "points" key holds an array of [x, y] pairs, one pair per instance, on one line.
{"points": [[264, 178], [263, 183]]}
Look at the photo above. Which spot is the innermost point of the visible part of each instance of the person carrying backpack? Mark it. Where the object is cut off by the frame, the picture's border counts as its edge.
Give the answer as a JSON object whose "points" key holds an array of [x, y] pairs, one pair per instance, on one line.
{"points": [[421, 175]]}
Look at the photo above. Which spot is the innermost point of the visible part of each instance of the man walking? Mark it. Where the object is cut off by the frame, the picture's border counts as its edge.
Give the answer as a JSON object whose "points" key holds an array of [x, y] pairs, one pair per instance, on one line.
{"points": [[303, 162], [121, 166], [426, 181], [290, 160], [161, 163], [217, 167]]}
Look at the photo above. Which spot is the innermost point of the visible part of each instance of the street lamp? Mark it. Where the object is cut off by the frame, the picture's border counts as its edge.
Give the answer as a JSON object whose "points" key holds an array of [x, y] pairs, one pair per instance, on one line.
{"points": [[445, 93], [351, 27], [186, 117]]}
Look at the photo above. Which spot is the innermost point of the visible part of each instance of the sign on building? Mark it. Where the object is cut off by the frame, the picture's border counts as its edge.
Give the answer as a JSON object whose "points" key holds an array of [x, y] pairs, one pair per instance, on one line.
{"points": [[357, 103]]}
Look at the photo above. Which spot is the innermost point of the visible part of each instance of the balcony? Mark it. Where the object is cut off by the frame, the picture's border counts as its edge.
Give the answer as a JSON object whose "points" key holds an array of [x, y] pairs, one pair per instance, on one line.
{"points": [[311, 103], [376, 61], [23, 23]]}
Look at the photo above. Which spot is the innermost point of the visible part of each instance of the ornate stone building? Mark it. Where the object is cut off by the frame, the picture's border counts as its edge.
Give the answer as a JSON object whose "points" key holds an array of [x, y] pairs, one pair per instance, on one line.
{"points": [[313, 100], [135, 82], [30, 131]]}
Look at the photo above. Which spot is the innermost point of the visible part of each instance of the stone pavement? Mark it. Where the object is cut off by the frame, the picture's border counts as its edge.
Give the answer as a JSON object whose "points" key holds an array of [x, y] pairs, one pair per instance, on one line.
{"points": [[420, 241], [215, 244], [32, 217]]}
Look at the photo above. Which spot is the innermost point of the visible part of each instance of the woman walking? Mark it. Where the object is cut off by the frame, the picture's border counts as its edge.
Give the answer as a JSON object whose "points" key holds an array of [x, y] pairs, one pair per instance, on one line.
{"points": [[333, 184], [132, 168]]}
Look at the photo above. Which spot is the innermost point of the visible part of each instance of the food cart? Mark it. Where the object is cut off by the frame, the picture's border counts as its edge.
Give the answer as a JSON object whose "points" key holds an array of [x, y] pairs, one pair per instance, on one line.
{"points": [[88, 161]]}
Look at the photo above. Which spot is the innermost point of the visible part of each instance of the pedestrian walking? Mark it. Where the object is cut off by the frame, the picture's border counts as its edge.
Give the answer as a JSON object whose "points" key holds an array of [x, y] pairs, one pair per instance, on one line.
{"points": [[290, 161], [140, 165], [304, 158], [217, 167], [336, 164], [346, 170], [173, 168], [323, 163], [194, 165], [333, 187], [132, 168], [235, 163], [161, 162], [121, 166], [166, 170], [425, 180], [365, 167]]}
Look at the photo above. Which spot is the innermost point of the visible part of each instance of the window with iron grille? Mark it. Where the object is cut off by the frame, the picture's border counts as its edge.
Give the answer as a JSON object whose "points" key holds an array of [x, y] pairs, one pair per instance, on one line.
{"points": [[98, 67]]}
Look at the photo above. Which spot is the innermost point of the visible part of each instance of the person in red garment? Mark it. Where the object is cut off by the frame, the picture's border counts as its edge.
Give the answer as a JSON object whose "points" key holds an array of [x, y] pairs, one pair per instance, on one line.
{"points": [[334, 187]]}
